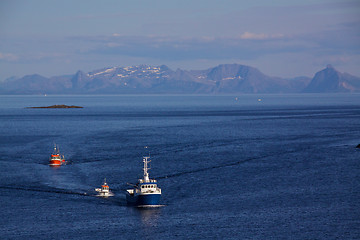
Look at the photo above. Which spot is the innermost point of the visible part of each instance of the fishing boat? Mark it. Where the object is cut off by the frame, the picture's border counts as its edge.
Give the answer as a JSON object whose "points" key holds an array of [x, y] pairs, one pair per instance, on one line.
{"points": [[56, 159], [104, 191], [146, 192]]}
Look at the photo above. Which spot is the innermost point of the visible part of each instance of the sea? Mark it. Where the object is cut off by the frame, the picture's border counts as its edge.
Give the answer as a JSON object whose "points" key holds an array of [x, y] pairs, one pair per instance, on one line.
{"points": [[230, 166]]}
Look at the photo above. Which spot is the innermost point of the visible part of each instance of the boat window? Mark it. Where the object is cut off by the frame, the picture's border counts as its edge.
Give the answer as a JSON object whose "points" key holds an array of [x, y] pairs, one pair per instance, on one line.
{"points": [[142, 186]]}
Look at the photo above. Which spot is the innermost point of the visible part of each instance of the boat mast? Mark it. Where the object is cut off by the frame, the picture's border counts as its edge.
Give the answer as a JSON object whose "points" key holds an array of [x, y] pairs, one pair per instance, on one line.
{"points": [[146, 174]]}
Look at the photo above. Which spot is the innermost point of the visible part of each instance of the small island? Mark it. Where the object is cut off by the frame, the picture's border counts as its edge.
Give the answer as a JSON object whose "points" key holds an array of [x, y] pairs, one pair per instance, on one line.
{"points": [[58, 106]]}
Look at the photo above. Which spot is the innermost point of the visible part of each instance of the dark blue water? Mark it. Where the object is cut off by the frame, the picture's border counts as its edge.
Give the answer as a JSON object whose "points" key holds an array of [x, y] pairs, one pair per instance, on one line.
{"points": [[285, 167]]}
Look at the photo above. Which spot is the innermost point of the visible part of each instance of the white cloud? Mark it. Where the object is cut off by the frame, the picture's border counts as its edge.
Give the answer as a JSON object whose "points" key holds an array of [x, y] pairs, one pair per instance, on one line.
{"points": [[259, 36], [8, 57]]}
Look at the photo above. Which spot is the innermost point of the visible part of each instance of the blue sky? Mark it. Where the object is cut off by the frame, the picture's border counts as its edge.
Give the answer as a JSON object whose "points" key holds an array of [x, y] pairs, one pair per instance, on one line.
{"points": [[280, 37]]}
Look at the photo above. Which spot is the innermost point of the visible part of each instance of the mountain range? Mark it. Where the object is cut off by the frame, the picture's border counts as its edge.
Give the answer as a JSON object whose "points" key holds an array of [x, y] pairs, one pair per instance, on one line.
{"points": [[144, 79]]}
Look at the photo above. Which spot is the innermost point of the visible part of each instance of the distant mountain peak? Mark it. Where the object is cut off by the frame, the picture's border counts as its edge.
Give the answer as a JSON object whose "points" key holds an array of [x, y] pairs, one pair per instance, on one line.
{"points": [[330, 66], [331, 80]]}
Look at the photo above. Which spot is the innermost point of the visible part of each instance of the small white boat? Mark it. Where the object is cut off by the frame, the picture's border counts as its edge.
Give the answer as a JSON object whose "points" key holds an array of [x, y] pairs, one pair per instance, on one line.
{"points": [[104, 191]]}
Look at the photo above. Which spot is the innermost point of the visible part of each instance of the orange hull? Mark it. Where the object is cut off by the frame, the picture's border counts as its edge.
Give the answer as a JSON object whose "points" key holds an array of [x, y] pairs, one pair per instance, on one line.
{"points": [[55, 162]]}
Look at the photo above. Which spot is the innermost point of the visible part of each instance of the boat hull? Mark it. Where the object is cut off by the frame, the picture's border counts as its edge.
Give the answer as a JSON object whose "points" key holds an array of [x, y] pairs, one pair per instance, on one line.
{"points": [[107, 194], [55, 163], [143, 199]]}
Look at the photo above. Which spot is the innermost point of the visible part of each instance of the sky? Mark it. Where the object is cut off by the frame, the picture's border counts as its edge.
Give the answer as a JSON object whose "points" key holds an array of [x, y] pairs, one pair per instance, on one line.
{"points": [[284, 38]]}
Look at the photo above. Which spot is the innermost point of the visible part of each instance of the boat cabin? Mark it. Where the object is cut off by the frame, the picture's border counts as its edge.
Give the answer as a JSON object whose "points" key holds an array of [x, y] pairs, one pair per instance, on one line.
{"points": [[145, 187], [104, 187]]}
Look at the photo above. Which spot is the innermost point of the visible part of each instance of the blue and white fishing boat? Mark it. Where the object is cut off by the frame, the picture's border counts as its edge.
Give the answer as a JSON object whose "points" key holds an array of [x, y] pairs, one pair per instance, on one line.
{"points": [[146, 192]]}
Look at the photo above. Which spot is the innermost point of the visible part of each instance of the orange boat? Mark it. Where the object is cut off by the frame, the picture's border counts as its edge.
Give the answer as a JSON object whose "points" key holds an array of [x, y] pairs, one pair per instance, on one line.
{"points": [[56, 159]]}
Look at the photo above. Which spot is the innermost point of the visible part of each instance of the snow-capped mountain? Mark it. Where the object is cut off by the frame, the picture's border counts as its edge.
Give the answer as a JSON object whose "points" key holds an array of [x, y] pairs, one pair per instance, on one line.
{"points": [[226, 78]]}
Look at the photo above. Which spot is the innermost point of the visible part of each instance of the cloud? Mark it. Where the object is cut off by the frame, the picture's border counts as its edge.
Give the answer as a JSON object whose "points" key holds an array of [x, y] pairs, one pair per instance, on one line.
{"points": [[261, 36], [8, 57], [246, 47], [168, 48]]}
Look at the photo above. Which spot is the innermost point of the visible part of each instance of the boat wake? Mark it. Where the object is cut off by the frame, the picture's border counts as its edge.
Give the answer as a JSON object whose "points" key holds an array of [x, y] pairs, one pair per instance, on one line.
{"points": [[60, 191], [224, 165], [150, 206]]}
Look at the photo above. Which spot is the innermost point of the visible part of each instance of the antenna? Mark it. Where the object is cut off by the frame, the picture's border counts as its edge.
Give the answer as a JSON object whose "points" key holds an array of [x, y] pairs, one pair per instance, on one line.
{"points": [[146, 174], [146, 168], [146, 147]]}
